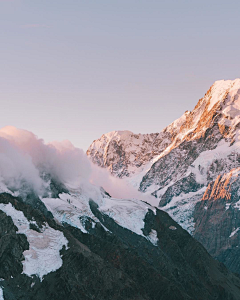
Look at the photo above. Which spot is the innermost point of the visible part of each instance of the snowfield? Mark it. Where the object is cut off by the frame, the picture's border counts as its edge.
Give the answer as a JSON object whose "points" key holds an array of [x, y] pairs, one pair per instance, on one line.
{"points": [[74, 207], [43, 255]]}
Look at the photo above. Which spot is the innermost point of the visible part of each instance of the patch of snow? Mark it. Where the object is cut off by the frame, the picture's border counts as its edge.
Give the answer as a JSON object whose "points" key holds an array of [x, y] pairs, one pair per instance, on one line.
{"points": [[43, 255], [1, 294], [68, 208], [127, 213], [162, 191], [152, 237], [227, 205], [237, 205], [234, 232]]}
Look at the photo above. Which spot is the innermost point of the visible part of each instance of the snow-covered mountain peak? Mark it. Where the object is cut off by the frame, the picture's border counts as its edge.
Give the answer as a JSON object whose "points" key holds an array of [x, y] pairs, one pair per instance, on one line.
{"points": [[131, 150], [127, 154], [219, 91], [215, 118], [221, 104]]}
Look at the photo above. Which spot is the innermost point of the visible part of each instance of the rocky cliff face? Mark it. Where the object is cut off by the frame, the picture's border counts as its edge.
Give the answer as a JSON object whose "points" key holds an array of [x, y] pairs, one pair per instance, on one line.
{"points": [[201, 149]]}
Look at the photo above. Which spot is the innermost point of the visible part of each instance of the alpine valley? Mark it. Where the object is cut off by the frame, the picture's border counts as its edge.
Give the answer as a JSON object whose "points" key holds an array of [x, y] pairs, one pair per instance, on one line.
{"points": [[191, 167], [63, 236]]}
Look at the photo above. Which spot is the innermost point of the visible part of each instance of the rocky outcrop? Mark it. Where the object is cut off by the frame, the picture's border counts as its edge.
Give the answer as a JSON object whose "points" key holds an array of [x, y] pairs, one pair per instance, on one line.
{"points": [[217, 218], [219, 189]]}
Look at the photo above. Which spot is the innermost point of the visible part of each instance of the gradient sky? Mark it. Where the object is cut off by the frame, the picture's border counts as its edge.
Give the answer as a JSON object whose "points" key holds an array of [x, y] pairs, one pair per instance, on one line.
{"points": [[77, 69]]}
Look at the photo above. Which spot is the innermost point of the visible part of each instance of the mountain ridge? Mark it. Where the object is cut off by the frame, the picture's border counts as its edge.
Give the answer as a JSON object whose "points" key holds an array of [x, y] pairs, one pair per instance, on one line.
{"points": [[204, 146], [101, 258]]}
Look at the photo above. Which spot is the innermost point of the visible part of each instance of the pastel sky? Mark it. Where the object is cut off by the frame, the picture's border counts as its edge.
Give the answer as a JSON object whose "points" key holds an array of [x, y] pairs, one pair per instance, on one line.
{"points": [[77, 69]]}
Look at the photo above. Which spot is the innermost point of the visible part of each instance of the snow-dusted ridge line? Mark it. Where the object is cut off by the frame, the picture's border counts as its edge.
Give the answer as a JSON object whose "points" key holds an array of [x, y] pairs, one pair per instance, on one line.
{"points": [[43, 255]]}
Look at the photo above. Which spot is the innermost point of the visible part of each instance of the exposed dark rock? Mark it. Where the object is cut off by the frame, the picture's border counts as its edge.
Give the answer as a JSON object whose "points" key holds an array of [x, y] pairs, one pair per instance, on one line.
{"points": [[184, 185], [57, 188], [12, 246]]}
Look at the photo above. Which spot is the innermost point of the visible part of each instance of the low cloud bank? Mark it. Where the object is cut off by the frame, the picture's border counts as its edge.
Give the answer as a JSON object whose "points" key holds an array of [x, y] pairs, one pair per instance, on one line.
{"points": [[25, 160]]}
